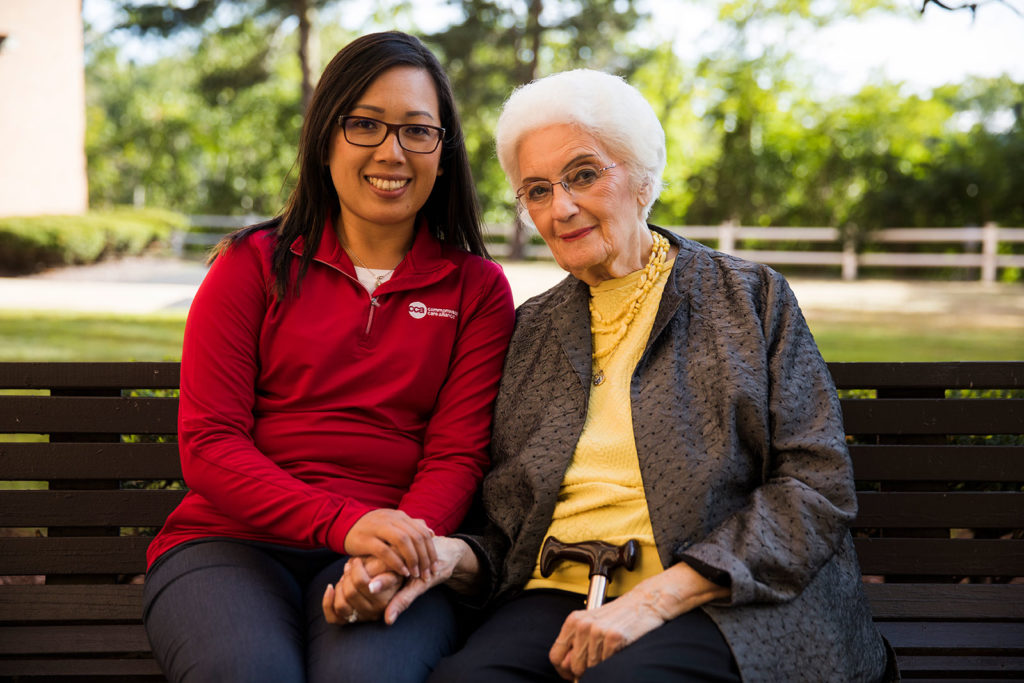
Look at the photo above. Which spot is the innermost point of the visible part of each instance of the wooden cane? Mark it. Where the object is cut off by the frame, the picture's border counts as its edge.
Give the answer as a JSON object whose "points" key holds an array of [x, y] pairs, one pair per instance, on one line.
{"points": [[602, 558]]}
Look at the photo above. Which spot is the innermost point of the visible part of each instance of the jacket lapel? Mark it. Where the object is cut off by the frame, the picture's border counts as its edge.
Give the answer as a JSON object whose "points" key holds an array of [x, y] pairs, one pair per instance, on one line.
{"points": [[677, 289], [570, 318]]}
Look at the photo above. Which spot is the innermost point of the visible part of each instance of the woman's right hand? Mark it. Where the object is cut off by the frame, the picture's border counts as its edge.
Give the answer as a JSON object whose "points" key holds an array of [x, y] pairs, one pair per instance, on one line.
{"points": [[362, 593], [405, 545], [457, 565]]}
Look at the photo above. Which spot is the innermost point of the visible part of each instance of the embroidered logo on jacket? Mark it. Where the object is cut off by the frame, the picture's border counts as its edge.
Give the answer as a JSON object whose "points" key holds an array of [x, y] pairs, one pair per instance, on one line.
{"points": [[420, 310]]}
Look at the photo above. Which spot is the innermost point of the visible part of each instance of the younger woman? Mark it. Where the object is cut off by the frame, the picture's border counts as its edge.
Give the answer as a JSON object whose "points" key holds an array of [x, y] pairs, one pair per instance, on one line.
{"points": [[338, 372]]}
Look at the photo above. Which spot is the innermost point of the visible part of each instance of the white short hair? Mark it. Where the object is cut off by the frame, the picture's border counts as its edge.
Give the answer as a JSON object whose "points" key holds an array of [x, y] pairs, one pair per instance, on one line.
{"points": [[603, 105]]}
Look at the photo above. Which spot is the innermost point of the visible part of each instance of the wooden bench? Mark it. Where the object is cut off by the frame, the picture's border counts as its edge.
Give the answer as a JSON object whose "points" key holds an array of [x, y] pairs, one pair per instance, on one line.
{"points": [[940, 479]]}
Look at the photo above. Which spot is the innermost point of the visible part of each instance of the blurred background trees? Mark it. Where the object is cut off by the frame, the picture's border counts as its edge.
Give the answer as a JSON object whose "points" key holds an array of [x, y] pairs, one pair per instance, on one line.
{"points": [[211, 125]]}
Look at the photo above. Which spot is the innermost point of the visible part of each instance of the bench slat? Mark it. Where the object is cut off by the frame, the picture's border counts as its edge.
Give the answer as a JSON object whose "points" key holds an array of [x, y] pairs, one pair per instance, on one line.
{"points": [[71, 603], [945, 638], [945, 601], [43, 461], [52, 414], [985, 509], [87, 555], [938, 463], [985, 666], [71, 640], [847, 375], [954, 676], [888, 601], [90, 375], [952, 375], [933, 416], [106, 669], [137, 507], [45, 414], [88, 461], [941, 557]]}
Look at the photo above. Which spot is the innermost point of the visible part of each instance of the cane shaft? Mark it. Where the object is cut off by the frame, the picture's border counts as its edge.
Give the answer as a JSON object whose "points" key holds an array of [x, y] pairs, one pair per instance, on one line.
{"points": [[598, 585]]}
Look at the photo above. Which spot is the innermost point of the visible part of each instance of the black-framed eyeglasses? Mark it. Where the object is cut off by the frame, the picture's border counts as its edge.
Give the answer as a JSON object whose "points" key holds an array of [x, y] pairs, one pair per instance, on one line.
{"points": [[538, 193], [363, 131]]}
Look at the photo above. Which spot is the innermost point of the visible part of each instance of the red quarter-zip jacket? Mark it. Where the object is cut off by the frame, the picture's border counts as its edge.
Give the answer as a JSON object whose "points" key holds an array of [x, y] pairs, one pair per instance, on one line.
{"points": [[297, 418]]}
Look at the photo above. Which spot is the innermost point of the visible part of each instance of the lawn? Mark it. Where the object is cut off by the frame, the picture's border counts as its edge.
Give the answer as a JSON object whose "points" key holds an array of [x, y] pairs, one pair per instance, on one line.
{"points": [[912, 337], [841, 337], [45, 336]]}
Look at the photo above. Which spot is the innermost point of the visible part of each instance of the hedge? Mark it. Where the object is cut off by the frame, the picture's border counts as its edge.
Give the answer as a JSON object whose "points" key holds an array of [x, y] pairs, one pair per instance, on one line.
{"points": [[29, 244]]}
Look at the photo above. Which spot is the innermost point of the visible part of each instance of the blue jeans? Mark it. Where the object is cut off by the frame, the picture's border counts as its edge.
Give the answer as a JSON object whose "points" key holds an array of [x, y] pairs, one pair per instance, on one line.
{"points": [[224, 610]]}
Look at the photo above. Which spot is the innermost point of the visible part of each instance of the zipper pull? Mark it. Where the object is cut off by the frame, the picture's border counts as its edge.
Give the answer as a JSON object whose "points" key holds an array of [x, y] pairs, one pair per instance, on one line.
{"points": [[369, 318]]}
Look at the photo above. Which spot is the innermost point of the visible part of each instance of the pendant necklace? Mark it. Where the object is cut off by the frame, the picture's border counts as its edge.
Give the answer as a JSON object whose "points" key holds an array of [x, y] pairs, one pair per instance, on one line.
{"points": [[378, 275], [618, 325]]}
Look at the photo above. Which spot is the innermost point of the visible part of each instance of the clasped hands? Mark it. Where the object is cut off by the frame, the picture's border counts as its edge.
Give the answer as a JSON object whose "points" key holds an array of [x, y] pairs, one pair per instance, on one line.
{"points": [[387, 549], [372, 590]]}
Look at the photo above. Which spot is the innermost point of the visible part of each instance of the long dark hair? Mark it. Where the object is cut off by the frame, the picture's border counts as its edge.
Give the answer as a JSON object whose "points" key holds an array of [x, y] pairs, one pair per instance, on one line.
{"points": [[451, 211]]}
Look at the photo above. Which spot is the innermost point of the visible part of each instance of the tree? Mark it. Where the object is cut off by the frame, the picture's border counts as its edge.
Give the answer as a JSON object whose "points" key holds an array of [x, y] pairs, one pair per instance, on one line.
{"points": [[499, 44], [169, 18], [971, 7], [961, 173], [161, 131], [748, 90]]}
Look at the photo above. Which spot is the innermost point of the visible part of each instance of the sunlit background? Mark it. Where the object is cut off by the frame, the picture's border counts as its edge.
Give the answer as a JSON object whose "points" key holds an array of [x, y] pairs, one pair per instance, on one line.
{"points": [[777, 113], [862, 119]]}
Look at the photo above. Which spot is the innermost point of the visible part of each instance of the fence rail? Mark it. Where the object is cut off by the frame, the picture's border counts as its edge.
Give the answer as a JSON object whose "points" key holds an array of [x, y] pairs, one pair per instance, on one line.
{"points": [[976, 247]]}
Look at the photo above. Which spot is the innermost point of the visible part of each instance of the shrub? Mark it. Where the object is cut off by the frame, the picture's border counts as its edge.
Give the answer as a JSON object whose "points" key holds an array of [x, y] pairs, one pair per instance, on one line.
{"points": [[29, 244]]}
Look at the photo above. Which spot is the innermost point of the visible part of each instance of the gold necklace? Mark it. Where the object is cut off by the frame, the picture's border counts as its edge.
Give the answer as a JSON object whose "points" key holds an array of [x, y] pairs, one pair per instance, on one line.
{"points": [[378, 279], [618, 325]]}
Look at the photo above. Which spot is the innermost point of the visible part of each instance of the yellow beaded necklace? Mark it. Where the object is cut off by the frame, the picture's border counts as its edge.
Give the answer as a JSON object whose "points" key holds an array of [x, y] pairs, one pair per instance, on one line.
{"points": [[618, 325]]}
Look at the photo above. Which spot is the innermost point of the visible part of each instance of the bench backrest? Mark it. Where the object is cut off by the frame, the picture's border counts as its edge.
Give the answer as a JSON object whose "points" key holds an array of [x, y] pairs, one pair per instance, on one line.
{"points": [[938, 455], [939, 534], [94, 444]]}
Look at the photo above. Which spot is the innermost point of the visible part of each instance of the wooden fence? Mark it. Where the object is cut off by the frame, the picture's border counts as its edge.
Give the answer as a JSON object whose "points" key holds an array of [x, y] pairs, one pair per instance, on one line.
{"points": [[970, 247]]}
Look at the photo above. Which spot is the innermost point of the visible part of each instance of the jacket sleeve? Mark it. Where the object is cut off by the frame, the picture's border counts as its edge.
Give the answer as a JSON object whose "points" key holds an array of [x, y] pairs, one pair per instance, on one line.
{"points": [[459, 431], [794, 521], [220, 363], [490, 547]]}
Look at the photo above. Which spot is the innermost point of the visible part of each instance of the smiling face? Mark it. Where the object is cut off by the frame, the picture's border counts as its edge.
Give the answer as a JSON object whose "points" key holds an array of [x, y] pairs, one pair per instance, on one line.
{"points": [[384, 187], [597, 233]]}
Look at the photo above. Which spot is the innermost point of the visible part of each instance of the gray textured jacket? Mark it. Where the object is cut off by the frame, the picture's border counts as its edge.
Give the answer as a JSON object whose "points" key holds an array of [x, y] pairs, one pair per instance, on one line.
{"points": [[741, 449]]}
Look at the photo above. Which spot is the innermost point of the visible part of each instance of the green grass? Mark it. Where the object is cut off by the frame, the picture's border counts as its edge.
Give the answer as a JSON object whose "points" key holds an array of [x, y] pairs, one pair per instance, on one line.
{"points": [[46, 336], [913, 337], [841, 337]]}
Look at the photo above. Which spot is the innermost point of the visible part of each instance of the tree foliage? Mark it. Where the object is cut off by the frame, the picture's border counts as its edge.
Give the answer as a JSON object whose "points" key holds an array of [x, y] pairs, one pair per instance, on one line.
{"points": [[207, 16], [173, 134], [500, 44], [212, 128]]}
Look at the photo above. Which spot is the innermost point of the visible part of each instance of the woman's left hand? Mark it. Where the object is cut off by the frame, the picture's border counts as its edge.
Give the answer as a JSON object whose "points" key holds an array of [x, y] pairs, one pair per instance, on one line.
{"points": [[588, 637]]}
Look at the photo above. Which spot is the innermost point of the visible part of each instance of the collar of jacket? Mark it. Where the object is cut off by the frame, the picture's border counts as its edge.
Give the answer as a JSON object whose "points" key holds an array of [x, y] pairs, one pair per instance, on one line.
{"points": [[572, 307], [425, 264]]}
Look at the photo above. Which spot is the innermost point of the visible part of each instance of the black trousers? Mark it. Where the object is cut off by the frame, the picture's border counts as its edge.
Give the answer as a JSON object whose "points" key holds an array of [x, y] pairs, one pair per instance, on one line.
{"points": [[512, 644], [229, 611]]}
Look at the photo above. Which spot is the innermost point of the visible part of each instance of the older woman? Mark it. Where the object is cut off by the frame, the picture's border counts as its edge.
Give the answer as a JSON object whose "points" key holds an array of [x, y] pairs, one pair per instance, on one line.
{"points": [[666, 393]]}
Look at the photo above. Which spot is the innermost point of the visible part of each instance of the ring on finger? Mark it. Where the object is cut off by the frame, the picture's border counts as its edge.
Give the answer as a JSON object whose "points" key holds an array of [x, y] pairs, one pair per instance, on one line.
{"points": [[353, 617]]}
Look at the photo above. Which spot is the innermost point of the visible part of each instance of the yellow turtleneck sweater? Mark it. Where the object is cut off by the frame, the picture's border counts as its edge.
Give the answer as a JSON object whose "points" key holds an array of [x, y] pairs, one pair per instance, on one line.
{"points": [[602, 494]]}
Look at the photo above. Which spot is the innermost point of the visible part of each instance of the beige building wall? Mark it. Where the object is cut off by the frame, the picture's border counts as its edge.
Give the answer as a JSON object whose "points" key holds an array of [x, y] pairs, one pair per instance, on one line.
{"points": [[42, 108]]}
